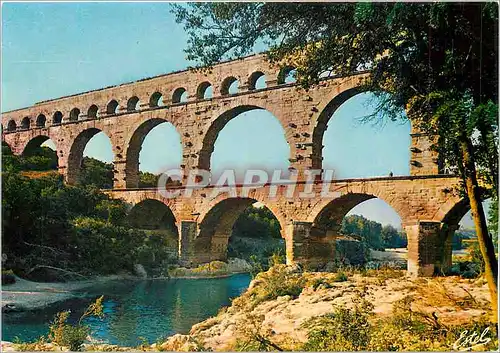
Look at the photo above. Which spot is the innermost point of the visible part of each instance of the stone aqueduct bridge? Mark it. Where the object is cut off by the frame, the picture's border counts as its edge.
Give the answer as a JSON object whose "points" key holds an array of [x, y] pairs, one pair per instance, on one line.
{"points": [[425, 200]]}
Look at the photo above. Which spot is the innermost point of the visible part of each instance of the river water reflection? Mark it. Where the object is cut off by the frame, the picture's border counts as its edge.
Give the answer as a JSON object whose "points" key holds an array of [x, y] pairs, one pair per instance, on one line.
{"points": [[136, 310]]}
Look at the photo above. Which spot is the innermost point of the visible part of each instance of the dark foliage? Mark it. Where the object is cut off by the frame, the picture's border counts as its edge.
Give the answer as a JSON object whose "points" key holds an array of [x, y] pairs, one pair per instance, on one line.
{"points": [[97, 173], [74, 228], [372, 233]]}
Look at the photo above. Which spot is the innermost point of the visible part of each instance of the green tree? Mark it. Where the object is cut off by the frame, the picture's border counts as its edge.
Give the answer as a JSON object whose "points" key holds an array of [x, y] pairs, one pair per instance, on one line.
{"points": [[41, 158], [370, 232], [97, 173], [493, 220], [436, 60], [256, 237], [257, 222], [10, 162], [148, 180], [47, 224], [392, 238]]}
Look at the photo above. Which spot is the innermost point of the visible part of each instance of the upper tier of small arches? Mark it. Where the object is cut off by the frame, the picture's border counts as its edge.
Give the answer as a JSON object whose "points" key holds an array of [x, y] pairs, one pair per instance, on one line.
{"points": [[230, 85]]}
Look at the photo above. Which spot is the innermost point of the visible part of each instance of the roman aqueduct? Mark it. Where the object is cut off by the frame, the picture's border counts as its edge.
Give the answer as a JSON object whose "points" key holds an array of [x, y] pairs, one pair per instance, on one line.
{"points": [[426, 200]]}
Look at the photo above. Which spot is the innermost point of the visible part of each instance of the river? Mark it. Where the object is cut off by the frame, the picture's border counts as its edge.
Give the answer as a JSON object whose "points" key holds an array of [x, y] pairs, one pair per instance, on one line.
{"points": [[135, 310]]}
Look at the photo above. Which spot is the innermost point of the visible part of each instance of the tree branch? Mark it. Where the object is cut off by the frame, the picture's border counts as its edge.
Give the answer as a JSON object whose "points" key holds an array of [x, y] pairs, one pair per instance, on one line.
{"points": [[55, 268]]}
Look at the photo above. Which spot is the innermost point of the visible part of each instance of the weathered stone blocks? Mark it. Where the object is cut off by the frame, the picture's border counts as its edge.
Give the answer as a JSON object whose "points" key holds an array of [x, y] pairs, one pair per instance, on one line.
{"points": [[126, 113]]}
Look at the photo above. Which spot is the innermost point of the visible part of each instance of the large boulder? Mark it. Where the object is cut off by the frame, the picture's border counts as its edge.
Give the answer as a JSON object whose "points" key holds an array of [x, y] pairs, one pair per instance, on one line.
{"points": [[8, 278], [238, 265], [351, 252], [140, 271]]}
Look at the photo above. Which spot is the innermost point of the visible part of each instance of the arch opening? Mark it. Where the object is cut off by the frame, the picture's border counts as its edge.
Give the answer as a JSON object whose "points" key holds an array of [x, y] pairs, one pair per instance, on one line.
{"points": [[156, 100], [154, 148], [230, 85], [239, 228], [40, 121], [352, 146], [133, 104], [180, 95], [257, 80], [204, 91], [74, 114], [287, 75], [92, 112], [460, 254], [90, 159], [25, 123], [159, 223], [11, 126], [230, 143], [57, 118], [112, 107], [40, 154], [363, 227]]}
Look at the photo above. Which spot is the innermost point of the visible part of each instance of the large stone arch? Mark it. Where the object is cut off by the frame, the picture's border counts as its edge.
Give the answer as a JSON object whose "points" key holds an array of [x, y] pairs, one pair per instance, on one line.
{"points": [[134, 146], [456, 207], [151, 214], [220, 121], [156, 219], [338, 207], [75, 155], [216, 224], [449, 216], [332, 214], [453, 211], [255, 195], [134, 197], [35, 142], [346, 89], [327, 107], [314, 238]]}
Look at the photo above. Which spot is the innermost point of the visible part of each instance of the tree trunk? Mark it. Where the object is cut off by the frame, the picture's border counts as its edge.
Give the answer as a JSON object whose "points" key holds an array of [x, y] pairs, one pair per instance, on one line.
{"points": [[484, 239]]}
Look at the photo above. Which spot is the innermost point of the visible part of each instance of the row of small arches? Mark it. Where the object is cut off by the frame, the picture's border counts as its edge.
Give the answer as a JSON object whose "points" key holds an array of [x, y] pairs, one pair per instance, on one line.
{"points": [[229, 86]]}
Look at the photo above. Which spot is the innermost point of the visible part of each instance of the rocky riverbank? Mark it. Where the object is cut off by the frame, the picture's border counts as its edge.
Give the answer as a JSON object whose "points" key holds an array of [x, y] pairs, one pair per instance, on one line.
{"points": [[280, 307], [212, 269], [28, 295], [278, 315]]}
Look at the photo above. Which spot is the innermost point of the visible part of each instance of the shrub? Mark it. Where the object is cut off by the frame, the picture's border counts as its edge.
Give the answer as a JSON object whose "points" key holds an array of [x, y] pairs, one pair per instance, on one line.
{"points": [[67, 335], [466, 269], [105, 248], [276, 282], [316, 282], [384, 273], [38, 345], [343, 330], [256, 266], [409, 330], [476, 256], [391, 337], [277, 258], [340, 277], [253, 336], [73, 336], [74, 228], [405, 330], [257, 250]]}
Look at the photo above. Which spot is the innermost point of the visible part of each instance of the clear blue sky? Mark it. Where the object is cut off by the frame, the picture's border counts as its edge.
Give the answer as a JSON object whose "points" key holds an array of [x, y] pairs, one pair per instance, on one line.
{"points": [[57, 49]]}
